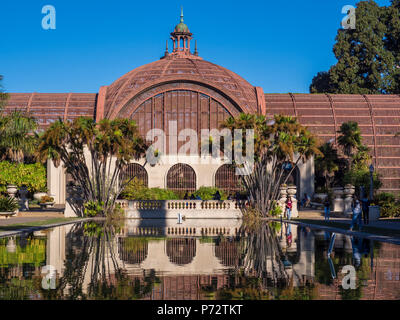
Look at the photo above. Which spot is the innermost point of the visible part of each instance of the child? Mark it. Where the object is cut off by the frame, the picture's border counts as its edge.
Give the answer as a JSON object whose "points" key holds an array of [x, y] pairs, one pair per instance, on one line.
{"points": [[289, 205]]}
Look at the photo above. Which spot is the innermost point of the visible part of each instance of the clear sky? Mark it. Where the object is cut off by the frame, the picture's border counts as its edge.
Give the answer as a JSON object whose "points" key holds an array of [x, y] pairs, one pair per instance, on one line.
{"points": [[278, 45]]}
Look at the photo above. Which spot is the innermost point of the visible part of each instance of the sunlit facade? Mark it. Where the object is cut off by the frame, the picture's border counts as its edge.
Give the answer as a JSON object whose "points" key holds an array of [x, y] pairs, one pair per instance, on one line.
{"points": [[185, 89]]}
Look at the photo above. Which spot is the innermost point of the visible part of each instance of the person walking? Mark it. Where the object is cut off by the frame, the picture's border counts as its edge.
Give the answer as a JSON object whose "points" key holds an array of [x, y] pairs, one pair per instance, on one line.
{"points": [[356, 214], [365, 209], [289, 205], [327, 208]]}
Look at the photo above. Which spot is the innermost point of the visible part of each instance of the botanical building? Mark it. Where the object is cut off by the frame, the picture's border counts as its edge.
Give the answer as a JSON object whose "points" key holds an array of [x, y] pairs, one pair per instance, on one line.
{"points": [[189, 92]]}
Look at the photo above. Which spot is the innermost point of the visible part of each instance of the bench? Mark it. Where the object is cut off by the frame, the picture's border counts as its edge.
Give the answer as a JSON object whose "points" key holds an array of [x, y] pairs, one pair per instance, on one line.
{"points": [[316, 205]]}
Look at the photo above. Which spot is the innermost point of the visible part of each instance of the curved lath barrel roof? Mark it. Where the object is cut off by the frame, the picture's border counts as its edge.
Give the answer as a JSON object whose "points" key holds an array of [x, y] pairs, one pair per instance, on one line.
{"points": [[177, 68], [378, 117]]}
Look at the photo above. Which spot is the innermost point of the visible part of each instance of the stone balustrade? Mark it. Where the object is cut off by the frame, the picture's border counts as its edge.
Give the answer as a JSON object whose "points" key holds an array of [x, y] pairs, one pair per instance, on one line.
{"points": [[187, 208]]}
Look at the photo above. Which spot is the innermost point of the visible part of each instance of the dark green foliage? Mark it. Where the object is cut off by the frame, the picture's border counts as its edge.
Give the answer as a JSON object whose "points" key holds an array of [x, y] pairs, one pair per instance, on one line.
{"points": [[326, 165], [321, 83], [8, 204], [18, 139], [368, 56], [93, 208], [207, 193], [136, 191], [390, 207]]}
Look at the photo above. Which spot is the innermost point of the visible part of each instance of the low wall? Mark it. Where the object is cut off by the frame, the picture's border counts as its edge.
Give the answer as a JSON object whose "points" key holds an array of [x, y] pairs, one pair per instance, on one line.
{"points": [[189, 209]]}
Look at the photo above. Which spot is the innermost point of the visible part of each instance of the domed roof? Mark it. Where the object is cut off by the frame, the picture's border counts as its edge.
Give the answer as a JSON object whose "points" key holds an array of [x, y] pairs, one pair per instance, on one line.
{"points": [[181, 27], [180, 68]]}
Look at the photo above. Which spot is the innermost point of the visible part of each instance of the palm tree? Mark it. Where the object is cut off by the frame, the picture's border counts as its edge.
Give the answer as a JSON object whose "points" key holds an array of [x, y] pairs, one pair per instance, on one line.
{"points": [[327, 164], [350, 139], [277, 143], [17, 136], [111, 145]]}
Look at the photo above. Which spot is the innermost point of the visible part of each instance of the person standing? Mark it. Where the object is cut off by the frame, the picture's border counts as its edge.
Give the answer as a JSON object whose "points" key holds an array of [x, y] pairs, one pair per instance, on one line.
{"points": [[365, 209], [327, 208], [289, 205], [356, 214]]}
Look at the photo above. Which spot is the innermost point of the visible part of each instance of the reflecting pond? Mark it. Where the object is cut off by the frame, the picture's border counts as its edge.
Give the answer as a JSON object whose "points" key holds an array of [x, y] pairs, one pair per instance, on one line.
{"points": [[197, 259]]}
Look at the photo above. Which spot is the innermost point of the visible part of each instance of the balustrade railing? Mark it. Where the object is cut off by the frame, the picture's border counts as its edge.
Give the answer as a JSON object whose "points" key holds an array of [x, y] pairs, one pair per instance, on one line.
{"points": [[145, 205]]}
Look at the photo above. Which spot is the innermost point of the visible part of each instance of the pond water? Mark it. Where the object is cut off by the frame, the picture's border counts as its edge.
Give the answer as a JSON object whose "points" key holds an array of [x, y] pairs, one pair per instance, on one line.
{"points": [[198, 259]]}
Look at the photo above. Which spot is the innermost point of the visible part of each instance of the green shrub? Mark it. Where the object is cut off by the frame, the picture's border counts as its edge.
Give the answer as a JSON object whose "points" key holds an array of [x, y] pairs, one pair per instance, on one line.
{"points": [[390, 207], [8, 204], [33, 176], [135, 190], [207, 193], [93, 208], [361, 177]]}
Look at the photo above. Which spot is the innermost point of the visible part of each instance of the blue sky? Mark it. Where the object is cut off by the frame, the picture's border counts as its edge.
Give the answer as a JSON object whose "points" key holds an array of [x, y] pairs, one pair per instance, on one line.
{"points": [[278, 45]]}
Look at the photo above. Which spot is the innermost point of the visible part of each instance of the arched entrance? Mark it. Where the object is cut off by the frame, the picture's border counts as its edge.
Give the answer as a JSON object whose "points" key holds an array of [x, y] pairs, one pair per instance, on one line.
{"points": [[134, 170], [227, 180], [181, 177]]}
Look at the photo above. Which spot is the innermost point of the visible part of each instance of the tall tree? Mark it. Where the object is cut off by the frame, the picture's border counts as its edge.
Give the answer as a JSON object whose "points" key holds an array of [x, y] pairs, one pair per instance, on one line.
{"points": [[279, 146], [94, 154], [17, 136], [327, 164], [368, 56]]}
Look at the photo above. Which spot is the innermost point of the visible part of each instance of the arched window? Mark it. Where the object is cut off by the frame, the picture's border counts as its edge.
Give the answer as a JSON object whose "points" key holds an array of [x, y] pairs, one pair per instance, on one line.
{"points": [[227, 252], [226, 179], [181, 250], [134, 170], [132, 250], [181, 177]]}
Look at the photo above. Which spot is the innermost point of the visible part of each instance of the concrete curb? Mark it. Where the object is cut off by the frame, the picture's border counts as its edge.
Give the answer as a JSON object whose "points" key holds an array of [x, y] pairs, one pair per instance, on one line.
{"points": [[36, 228], [346, 232]]}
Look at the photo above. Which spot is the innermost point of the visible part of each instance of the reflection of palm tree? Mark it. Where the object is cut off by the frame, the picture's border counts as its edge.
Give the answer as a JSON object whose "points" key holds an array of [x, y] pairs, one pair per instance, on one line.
{"points": [[262, 255], [91, 256]]}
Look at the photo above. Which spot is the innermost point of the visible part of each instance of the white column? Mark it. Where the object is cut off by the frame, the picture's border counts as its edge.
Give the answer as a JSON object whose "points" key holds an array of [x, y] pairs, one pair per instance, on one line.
{"points": [[56, 182]]}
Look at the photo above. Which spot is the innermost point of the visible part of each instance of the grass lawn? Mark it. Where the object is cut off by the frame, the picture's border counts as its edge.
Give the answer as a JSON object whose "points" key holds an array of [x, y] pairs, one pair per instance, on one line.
{"points": [[346, 226], [18, 226]]}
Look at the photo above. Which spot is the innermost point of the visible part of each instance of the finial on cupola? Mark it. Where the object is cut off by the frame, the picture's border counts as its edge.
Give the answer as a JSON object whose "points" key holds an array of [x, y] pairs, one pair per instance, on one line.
{"points": [[196, 53], [166, 48]]}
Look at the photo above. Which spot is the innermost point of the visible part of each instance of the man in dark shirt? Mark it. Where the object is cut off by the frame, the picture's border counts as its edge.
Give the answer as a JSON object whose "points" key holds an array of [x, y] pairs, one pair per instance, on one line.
{"points": [[365, 209]]}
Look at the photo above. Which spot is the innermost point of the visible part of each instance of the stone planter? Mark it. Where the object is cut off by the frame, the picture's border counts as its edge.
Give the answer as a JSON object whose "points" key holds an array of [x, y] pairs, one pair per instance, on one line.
{"points": [[349, 191], [12, 190], [46, 205], [38, 195], [338, 202], [374, 213], [7, 214]]}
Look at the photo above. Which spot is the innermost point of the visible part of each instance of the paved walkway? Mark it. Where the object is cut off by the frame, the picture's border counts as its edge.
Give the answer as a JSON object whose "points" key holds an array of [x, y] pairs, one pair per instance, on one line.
{"points": [[33, 216], [393, 224]]}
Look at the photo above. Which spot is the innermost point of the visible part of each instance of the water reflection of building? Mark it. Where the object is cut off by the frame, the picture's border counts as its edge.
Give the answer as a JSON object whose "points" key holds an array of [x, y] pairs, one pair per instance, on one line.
{"points": [[185, 265]]}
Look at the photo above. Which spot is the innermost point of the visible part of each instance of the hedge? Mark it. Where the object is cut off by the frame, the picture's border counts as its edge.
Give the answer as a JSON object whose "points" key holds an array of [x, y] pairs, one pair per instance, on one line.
{"points": [[33, 176]]}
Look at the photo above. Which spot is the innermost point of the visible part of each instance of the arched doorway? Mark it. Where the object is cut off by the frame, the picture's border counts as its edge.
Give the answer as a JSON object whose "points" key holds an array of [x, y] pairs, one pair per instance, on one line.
{"points": [[181, 251], [132, 250], [134, 170], [227, 180], [181, 177]]}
